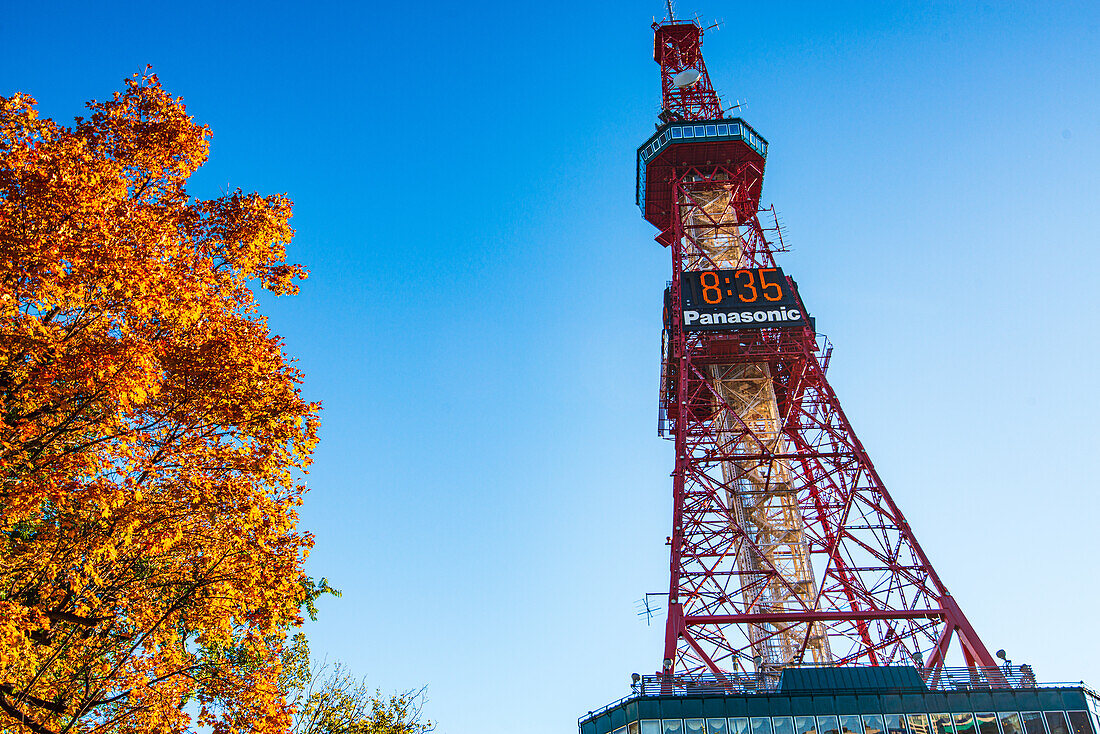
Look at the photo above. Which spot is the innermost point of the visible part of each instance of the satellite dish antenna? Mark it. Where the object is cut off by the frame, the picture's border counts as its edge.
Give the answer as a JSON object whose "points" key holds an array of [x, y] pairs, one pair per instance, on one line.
{"points": [[686, 78]]}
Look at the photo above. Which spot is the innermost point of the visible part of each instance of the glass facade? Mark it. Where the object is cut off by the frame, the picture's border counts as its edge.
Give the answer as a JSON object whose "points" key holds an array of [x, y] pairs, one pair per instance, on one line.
{"points": [[990, 722]]}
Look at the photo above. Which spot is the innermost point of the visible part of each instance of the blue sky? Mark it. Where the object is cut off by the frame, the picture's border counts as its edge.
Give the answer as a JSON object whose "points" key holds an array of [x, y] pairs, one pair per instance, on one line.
{"points": [[483, 317]]}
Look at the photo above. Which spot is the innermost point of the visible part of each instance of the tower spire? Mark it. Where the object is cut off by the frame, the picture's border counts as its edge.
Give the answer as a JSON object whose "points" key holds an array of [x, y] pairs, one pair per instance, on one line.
{"points": [[686, 91]]}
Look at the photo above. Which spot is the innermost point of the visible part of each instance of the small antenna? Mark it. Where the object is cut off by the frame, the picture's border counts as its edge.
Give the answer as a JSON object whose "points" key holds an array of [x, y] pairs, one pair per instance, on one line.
{"points": [[647, 608], [670, 14]]}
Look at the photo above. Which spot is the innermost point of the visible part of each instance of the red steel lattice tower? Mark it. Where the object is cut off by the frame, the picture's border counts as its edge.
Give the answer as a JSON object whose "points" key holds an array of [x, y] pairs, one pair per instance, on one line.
{"points": [[786, 547]]}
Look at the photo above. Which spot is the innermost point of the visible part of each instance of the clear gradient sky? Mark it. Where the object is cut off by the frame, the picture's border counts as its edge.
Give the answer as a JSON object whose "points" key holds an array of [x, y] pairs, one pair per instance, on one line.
{"points": [[483, 317]]}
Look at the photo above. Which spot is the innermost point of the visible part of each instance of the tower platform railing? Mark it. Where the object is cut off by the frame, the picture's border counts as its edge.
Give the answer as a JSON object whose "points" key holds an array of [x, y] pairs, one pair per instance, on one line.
{"points": [[943, 679]]}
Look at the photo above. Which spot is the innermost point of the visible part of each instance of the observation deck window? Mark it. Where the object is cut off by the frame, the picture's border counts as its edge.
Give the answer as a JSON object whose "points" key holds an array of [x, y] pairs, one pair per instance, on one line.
{"points": [[672, 726], [712, 130], [805, 725], [895, 724], [783, 724], [689, 132], [1079, 722], [716, 726], [739, 725], [827, 725], [964, 723], [1056, 722], [1033, 722], [699, 131], [851, 725], [676, 133], [693, 726], [942, 724], [873, 724], [987, 723], [761, 725], [918, 723], [1010, 723]]}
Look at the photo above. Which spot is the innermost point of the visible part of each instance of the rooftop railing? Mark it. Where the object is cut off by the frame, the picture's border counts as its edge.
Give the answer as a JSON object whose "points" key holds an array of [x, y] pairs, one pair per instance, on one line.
{"points": [[944, 679]]}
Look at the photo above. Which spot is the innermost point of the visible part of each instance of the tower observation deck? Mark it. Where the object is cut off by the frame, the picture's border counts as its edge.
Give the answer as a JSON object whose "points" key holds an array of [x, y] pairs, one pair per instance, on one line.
{"points": [[799, 600]]}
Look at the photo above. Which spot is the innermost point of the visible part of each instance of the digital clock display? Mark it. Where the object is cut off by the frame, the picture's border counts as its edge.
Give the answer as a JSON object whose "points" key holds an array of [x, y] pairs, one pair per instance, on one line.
{"points": [[746, 298]]}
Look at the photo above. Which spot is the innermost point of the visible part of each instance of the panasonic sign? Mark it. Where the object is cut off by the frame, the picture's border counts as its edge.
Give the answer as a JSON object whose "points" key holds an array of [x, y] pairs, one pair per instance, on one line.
{"points": [[745, 298]]}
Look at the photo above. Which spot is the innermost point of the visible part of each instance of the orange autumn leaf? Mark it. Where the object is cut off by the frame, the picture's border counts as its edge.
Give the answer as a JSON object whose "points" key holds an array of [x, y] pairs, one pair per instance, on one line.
{"points": [[152, 432]]}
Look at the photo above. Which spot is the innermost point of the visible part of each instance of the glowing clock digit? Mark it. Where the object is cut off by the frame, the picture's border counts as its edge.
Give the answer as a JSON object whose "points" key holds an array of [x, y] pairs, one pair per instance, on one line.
{"points": [[770, 288], [749, 284], [709, 287]]}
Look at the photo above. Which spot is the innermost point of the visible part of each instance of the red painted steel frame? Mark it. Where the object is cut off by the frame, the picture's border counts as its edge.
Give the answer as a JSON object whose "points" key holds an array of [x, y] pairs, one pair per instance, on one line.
{"points": [[876, 597], [676, 47]]}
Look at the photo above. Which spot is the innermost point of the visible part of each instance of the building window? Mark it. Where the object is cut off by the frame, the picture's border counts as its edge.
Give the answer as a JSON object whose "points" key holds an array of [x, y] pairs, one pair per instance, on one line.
{"points": [[850, 725], [1056, 722], [693, 726], [1033, 722], [783, 724], [1079, 722], [964, 724], [761, 725], [987, 723], [942, 724], [672, 726], [1010, 722], [873, 723], [651, 726], [918, 723], [805, 725], [716, 726]]}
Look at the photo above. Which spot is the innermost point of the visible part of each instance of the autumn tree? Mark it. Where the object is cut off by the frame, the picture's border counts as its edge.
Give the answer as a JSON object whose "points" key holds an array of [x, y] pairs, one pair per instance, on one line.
{"points": [[152, 431], [327, 699]]}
